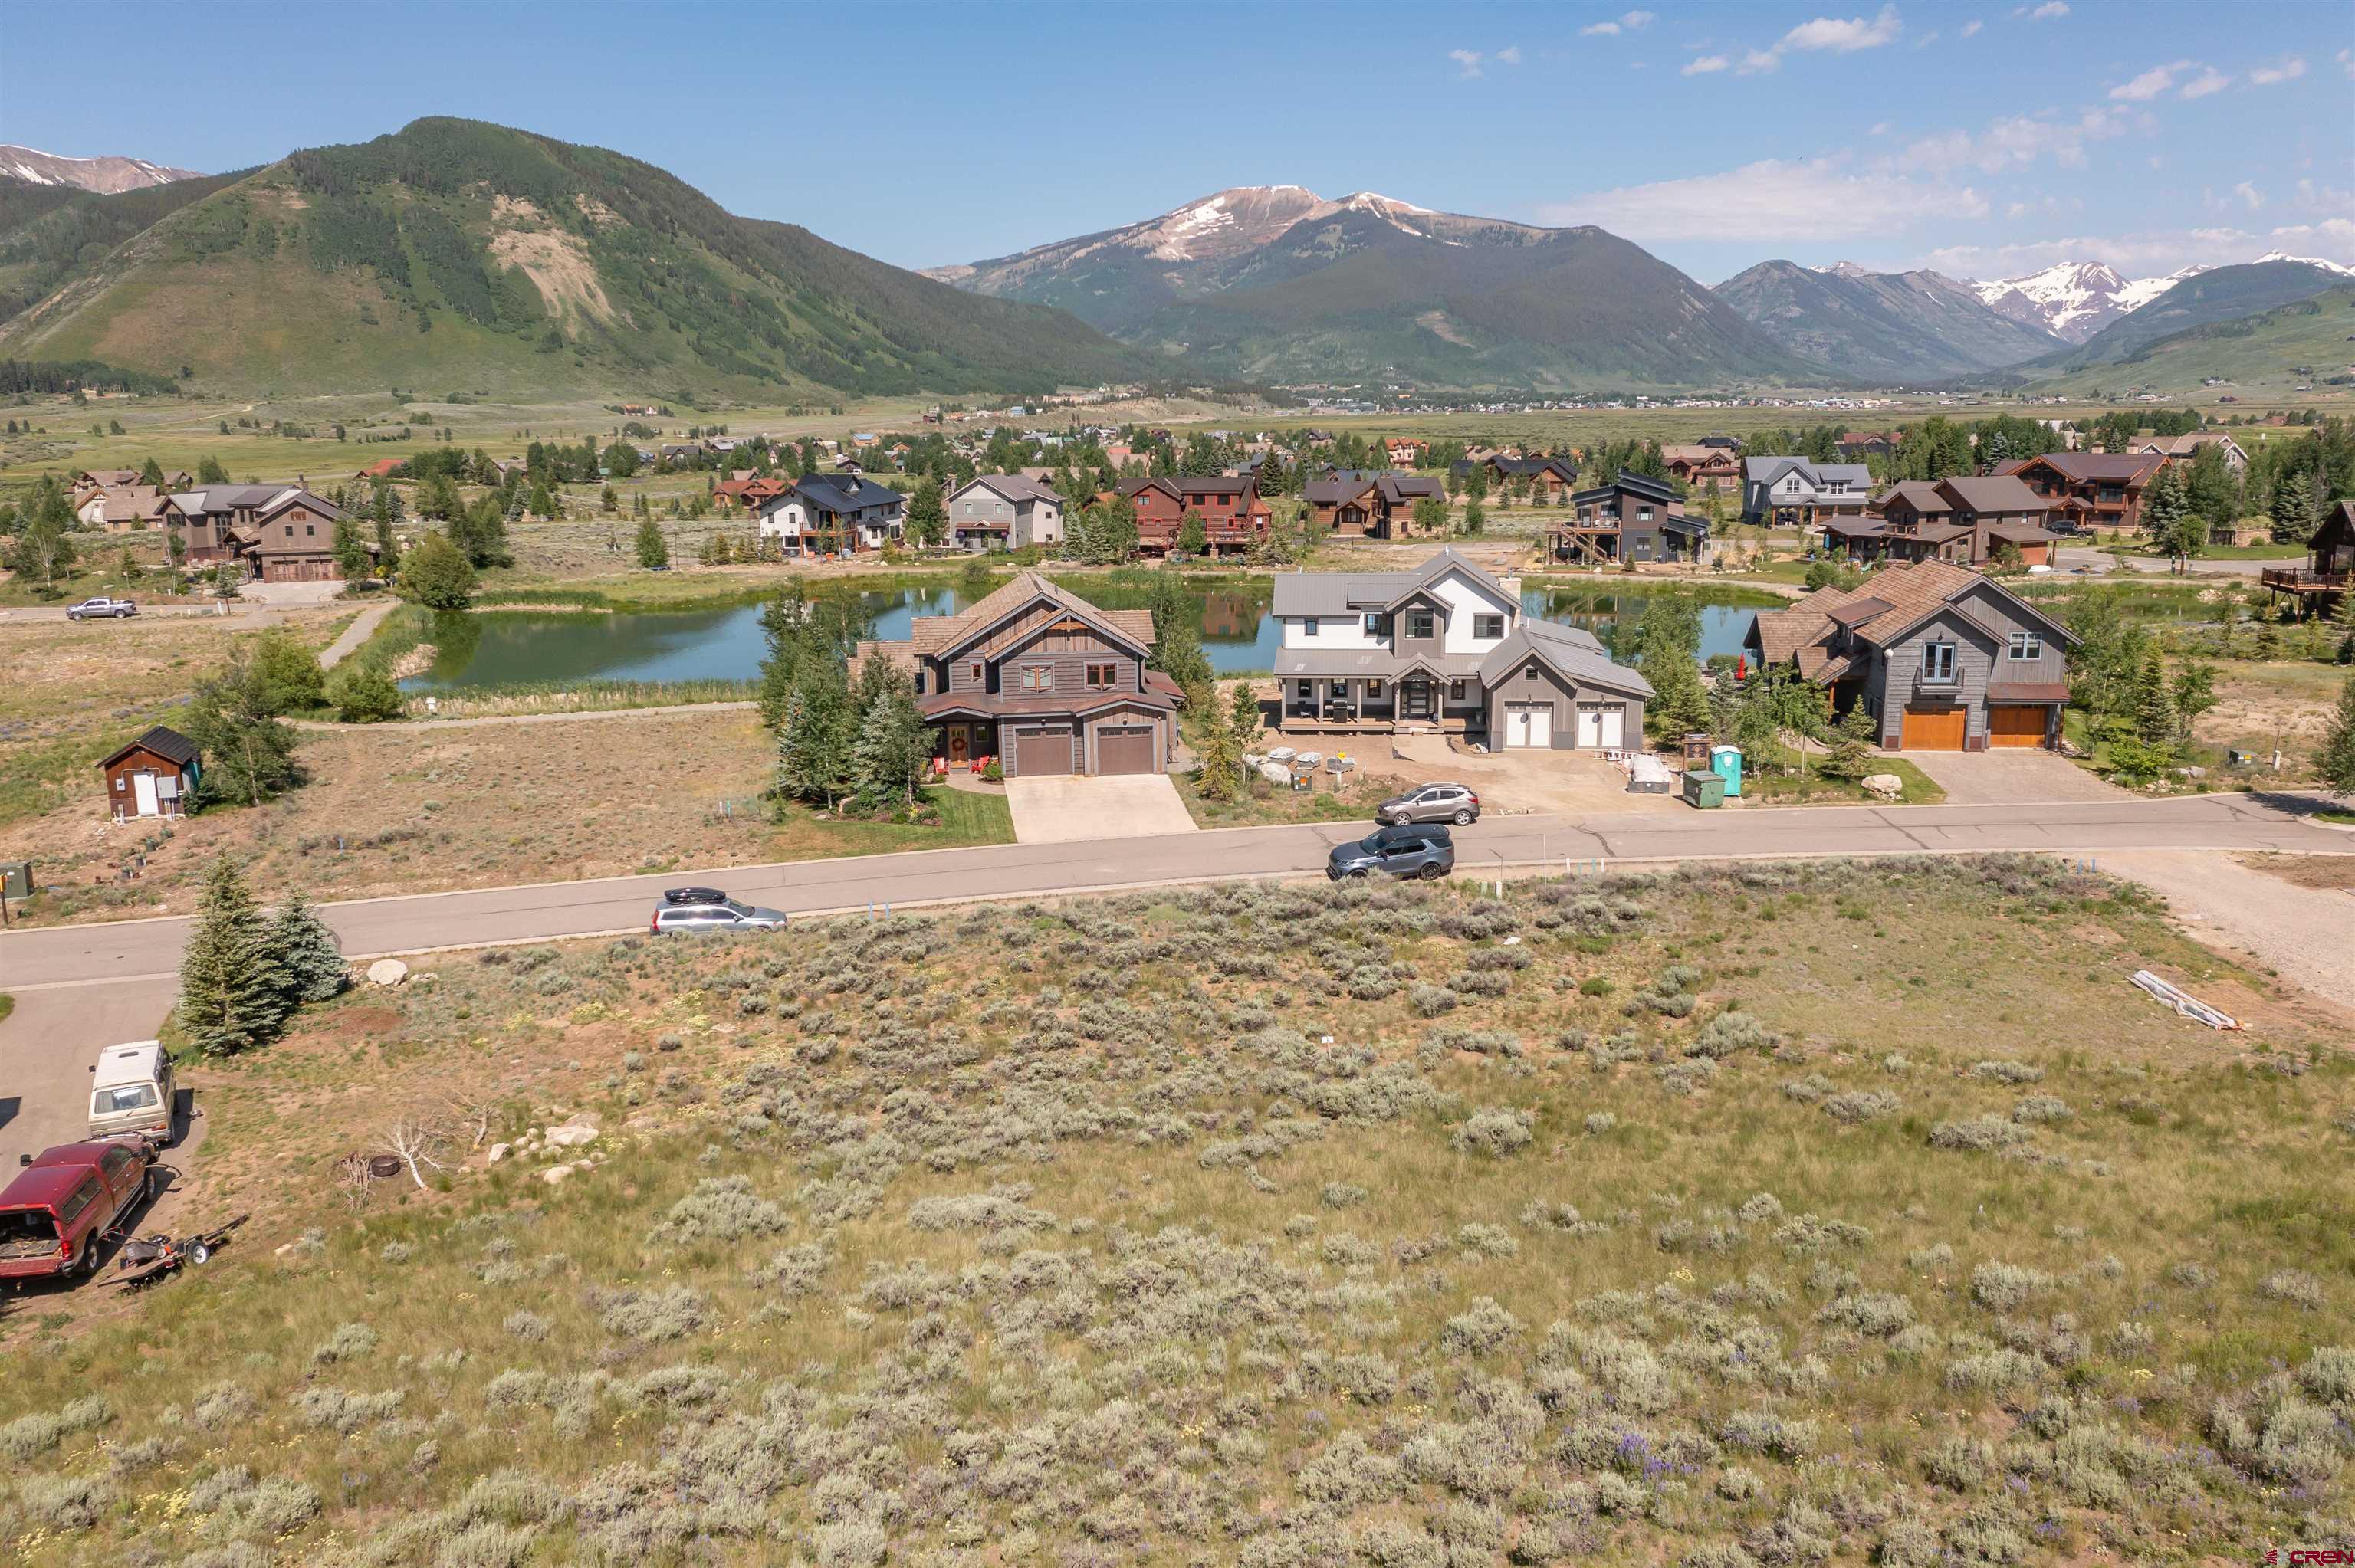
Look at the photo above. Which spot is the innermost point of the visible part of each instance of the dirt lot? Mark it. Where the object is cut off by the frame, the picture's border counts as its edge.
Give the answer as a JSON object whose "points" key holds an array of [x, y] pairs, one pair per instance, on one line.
{"points": [[2267, 705], [400, 809], [1513, 782]]}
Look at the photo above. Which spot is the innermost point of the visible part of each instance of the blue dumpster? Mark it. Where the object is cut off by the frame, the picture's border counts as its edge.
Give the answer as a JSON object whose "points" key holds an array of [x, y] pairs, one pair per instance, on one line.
{"points": [[1725, 761]]}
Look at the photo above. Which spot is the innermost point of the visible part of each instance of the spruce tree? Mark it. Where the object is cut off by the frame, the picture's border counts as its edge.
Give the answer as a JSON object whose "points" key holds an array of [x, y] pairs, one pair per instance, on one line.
{"points": [[2336, 761], [2154, 715], [812, 741], [233, 983], [654, 553], [314, 964], [1243, 718], [1851, 753], [894, 745]]}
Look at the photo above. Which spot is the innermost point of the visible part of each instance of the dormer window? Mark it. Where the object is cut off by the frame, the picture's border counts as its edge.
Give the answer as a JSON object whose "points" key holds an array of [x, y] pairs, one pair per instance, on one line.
{"points": [[1419, 623], [1038, 678]]}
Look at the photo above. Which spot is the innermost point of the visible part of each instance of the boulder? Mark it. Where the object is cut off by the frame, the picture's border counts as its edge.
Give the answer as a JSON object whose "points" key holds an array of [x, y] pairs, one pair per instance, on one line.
{"points": [[571, 1135], [387, 972], [557, 1175], [498, 1152], [1885, 784]]}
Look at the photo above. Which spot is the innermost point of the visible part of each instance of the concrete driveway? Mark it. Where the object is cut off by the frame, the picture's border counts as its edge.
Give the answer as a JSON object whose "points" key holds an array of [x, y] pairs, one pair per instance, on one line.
{"points": [[2020, 775], [1114, 806], [1574, 783]]}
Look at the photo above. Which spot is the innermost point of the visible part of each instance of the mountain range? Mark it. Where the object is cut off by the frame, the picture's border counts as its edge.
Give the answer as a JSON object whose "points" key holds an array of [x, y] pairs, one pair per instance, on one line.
{"points": [[461, 254], [1882, 327], [1276, 283], [108, 176]]}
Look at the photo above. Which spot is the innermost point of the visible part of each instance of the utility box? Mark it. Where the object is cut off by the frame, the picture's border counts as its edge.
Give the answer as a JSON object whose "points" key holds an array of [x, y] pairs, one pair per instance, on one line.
{"points": [[16, 878], [1704, 790], [1725, 761]]}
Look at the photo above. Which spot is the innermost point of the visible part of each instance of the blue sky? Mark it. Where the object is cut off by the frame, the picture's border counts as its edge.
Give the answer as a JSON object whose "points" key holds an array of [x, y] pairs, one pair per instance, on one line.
{"points": [[1984, 140]]}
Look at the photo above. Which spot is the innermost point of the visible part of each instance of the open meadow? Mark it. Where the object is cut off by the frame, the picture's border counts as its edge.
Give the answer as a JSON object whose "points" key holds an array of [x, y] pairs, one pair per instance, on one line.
{"points": [[1771, 1216]]}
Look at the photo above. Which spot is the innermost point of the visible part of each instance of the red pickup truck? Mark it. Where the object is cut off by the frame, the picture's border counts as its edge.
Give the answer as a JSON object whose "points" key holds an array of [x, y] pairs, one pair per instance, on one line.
{"points": [[62, 1204]]}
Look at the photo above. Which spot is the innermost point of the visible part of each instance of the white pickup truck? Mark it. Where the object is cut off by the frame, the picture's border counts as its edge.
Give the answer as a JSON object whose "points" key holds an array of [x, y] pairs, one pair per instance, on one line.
{"points": [[111, 608]]}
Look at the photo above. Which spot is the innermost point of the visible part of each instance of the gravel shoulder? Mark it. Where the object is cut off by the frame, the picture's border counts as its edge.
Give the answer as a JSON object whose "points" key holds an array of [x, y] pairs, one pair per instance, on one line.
{"points": [[2224, 901]]}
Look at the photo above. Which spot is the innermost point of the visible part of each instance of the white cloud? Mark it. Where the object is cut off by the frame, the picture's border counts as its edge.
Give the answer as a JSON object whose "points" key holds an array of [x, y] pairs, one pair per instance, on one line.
{"points": [[1844, 36], [2151, 83], [1705, 64], [1818, 198], [2207, 81], [2015, 210], [1509, 54], [1827, 34], [1637, 21], [1971, 28], [2017, 141], [2250, 196], [1926, 39], [1469, 59], [1598, 30], [2150, 252], [1880, 128], [2289, 69], [2347, 61], [2050, 11]]}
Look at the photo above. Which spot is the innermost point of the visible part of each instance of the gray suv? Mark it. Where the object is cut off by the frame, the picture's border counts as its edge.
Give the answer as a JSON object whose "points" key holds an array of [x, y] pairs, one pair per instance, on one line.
{"points": [[1413, 849], [1431, 803], [724, 916]]}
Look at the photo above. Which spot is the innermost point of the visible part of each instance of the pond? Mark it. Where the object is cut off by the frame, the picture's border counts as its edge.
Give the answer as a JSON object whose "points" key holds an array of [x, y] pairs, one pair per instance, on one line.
{"points": [[501, 648]]}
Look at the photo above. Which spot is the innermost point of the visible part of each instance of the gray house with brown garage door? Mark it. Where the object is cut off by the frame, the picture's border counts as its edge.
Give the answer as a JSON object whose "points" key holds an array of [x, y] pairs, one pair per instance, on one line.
{"points": [[1040, 679], [1946, 659]]}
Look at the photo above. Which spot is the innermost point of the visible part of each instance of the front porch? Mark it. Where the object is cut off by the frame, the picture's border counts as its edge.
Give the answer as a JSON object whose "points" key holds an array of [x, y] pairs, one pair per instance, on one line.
{"points": [[1366, 706]]}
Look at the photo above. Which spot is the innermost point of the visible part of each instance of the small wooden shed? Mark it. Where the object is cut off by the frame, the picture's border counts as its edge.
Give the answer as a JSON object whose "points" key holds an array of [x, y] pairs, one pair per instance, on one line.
{"points": [[154, 776]]}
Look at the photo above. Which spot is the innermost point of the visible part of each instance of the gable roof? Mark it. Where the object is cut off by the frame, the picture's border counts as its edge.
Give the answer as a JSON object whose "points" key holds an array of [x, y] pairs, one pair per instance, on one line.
{"points": [[1772, 470], [169, 743], [1345, 487], [844, 491], [1880, 611], [1919, 494], [1571, 651], [1354, 593], [949, 634], [1012, 487], [1992, 493], [2081, 468]]}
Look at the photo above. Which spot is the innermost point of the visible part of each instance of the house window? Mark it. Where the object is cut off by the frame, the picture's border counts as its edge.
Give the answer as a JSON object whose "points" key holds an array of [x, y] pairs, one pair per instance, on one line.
{"points": [[920, 682], [1455, 691], [1488, 626], [1308, 627], [1642, 514], [1373, 691], [1419, 623], [1307, 690], [2027, 645], [1378, 626], [1038, 678], [1938, 663], [1101, 677], [973, 670]]}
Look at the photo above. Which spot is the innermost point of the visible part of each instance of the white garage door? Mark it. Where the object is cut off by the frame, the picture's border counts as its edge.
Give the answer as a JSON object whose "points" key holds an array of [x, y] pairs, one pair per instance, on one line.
{"points": [[1603, 726], [1529, 724]]}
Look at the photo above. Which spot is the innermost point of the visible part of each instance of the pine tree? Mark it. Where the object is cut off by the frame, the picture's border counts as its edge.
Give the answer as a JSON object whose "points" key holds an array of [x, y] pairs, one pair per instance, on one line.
{"points": [[1243, 718], [249, 755], [654, 553], [2336, 761], [2154, 715], [893, 747], [314, 964], [2293, 510], [1219, 775], [233, 983], [927, 518], [1850, 755], [812, 741]]}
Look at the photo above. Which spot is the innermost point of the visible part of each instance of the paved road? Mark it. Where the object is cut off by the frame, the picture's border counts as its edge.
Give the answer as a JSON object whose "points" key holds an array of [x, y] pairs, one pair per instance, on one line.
{"points": [[361, 629], [78, 987]]}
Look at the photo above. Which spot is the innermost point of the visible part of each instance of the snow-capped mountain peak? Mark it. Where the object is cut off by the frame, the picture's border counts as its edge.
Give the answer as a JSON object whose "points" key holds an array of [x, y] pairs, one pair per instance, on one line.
{"points": [[2338, 266], [106, 175], [2073, 300]]}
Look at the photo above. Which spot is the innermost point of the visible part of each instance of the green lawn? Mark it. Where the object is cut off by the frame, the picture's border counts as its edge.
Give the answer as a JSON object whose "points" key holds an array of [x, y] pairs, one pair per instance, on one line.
{"points": [[1812, 788], [966, 817]]}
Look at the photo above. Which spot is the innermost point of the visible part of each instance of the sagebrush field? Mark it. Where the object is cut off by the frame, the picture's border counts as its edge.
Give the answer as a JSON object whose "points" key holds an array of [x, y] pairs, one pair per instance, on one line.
{"points": [[1773, 1215]]}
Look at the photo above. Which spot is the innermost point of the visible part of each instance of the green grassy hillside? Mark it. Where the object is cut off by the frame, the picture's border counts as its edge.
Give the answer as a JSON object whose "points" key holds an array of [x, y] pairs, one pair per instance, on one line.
{"points": [[2263, 353], [466, 255], [1740, 1218], [2224, 294]]}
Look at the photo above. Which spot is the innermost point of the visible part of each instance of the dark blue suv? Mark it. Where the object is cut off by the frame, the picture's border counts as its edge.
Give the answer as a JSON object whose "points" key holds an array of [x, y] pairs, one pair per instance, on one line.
{"points": [[1407, 849]]}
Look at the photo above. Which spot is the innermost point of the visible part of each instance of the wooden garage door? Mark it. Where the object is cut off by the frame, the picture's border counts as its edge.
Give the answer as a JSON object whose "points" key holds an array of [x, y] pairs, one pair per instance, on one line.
{"points": [[2015, 723], [1934, 729], [1124, 748], [1041, 751]]}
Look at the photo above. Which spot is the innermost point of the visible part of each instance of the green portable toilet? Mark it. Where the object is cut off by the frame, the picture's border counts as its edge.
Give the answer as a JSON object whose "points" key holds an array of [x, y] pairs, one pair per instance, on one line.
{"points": [[1703, 789], [1725, 761]]}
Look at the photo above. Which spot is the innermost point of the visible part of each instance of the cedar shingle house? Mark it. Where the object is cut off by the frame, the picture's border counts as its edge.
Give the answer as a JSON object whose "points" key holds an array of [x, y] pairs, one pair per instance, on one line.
{"points": [[280, 533], [1445, 645], [1966, 520], [2087, 491], [1233, 515], [1039, 678], [1360, 504], [1702, 467], [1550, 479], [1944, 658], [1632, 520]]}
